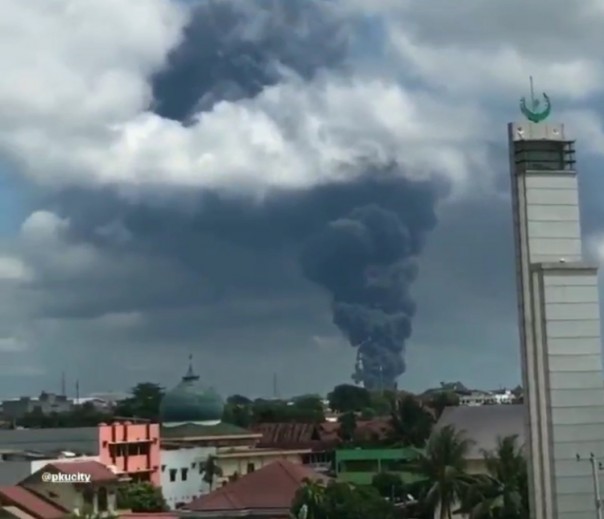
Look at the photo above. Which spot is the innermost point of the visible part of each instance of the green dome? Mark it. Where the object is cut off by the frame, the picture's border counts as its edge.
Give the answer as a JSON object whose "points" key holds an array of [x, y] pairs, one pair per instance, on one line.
{"points": [[190, 402]]}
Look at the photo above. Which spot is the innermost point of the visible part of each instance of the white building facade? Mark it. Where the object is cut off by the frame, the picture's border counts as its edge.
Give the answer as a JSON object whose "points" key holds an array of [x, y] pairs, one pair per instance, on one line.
{"points": [[559, 325]]}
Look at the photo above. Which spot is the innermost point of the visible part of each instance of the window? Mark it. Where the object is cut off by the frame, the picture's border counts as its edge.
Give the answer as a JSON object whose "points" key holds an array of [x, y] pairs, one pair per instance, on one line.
{"points": [[545, 155], [394, 465], [183, 474], [360, 466], [163, 468], [250, 468], [193, 465], [172, 475]]}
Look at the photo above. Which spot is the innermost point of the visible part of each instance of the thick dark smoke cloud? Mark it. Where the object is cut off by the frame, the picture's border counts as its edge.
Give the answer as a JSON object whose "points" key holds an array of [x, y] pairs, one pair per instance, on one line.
{"points": [[359, 240], [234, 48]]}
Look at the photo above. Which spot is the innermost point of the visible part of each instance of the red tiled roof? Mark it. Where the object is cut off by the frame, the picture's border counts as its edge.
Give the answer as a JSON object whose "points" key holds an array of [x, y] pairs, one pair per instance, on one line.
{"points": [[271, 487], [31, 503], [99, 473]]}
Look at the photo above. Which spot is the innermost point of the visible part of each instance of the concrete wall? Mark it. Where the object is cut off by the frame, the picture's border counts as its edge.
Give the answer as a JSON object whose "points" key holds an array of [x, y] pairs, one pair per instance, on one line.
{"points": [[570, 336]]}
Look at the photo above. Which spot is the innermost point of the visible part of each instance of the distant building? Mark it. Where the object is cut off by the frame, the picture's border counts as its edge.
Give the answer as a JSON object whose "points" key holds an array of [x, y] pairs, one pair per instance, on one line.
{"points": [[268, 492], [473, 397], [46, 403]]}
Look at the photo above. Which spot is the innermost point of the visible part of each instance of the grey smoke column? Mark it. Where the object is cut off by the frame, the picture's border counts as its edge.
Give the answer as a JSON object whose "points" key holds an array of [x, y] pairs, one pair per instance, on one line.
{"points": [[366, 260]]}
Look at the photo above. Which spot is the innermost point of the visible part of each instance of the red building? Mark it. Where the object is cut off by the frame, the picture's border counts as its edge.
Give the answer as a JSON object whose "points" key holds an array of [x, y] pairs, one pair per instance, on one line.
{"points": [[133, 449]]}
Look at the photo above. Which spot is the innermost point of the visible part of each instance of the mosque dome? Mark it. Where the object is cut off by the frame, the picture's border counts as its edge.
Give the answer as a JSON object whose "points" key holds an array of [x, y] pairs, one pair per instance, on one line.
{"points": [[191, 403]]}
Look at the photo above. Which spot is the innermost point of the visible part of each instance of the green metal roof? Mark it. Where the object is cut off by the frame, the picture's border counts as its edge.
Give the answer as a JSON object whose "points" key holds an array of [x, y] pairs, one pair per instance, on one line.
{"points": [[405, 453]]}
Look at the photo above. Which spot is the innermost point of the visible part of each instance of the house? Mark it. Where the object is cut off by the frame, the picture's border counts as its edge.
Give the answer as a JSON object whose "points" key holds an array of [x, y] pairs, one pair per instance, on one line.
{"points": [[98, 495], [266, 493], [484, 425], [318, 441], [36, 497]]}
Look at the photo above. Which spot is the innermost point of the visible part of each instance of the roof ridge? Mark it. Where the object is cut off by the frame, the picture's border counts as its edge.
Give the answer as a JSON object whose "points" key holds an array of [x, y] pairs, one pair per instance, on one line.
{"points": [[287, 466], [22, 500]]}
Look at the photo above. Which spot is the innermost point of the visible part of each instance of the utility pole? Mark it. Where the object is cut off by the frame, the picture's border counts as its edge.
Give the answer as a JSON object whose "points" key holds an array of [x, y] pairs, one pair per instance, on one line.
{"points": [[596, 466]]}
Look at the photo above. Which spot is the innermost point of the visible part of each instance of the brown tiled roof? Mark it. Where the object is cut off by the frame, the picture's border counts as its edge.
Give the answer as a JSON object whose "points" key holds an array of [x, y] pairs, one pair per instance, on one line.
{"points": [[99, 473], [273, 487], [297, 435], [317, 436], [31, 503]]}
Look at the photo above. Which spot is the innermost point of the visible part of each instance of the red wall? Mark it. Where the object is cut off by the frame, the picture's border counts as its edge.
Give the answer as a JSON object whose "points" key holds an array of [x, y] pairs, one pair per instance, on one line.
{"points": [[132, 448]]}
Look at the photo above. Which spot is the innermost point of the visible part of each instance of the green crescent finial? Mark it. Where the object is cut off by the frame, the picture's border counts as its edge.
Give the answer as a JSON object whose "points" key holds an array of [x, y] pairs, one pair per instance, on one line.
{"points": [[534, 113]]}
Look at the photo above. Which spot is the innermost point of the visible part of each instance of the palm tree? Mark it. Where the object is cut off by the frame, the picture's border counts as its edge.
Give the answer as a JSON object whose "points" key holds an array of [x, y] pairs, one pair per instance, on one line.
{"points": [[411, 421], [504, 494], [309, 500], [443, 465], [211, 470]]}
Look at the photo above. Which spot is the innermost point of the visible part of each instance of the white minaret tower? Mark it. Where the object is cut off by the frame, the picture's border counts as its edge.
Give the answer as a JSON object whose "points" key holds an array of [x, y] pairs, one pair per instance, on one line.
{"points": [[559, 322]]}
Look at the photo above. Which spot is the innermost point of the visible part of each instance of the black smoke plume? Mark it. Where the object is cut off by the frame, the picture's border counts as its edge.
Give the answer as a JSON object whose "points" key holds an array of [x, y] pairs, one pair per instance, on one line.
{"points": [[367, 261], [361, 237]]}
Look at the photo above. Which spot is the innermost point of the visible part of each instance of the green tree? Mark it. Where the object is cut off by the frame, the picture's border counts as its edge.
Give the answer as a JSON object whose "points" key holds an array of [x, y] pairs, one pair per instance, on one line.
{"points": [[411, 422], [272, 411], [211, 471], [141, 497], [389, 485], [443, 466], [237, 414], [442, 399], [310, 406], [238, 400], [504, 493], [144, 402], [348, 426], [347, 397], [340, 501], [381, 402]]}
